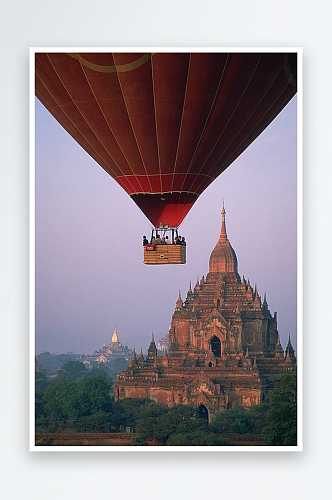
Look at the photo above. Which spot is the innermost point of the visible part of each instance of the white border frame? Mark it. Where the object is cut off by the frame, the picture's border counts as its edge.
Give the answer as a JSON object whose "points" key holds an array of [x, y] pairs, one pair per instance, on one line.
{"points": [[32, 446]]}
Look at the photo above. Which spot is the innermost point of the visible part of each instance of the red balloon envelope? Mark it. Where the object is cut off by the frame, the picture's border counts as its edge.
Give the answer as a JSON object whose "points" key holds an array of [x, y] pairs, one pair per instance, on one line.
{"points": [[165, 125]]}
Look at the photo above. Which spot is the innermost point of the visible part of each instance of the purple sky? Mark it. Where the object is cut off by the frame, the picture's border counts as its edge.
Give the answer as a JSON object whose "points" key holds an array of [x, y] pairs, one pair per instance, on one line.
{"points": [[89, 271]]}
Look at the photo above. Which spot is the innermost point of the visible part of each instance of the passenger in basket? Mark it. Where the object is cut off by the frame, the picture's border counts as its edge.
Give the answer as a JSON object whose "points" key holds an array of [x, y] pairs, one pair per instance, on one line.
{"points": [[183, 242], [157, 240], [145, 241]]}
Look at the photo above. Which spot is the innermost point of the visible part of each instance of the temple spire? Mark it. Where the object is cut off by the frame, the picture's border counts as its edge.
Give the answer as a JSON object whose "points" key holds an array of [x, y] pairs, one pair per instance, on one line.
{"points": [[279, 349], [179, 303], [189, 294], [141, 358], [289, 354], [223, 234], [133, 360], [152, 352], [223, 258], [115, 337]]}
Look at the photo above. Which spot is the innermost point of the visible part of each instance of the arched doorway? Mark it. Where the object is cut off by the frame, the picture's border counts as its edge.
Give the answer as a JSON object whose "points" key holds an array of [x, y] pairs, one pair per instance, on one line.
{"points": [[216, 346], [203, 412]]}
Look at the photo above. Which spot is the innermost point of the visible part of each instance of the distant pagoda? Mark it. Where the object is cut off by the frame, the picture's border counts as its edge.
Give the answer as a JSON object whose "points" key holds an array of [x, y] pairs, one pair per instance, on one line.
{"points": [[223, 344], [108, 352], [163, 344]]}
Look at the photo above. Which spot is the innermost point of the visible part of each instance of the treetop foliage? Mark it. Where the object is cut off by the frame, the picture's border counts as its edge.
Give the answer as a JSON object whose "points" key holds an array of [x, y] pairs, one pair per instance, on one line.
{"points": [[81, 401]]}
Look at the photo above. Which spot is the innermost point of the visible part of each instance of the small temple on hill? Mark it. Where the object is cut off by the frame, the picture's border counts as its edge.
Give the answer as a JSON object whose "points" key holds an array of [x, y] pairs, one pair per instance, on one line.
{"points": [[223, 345], [115, 349]]}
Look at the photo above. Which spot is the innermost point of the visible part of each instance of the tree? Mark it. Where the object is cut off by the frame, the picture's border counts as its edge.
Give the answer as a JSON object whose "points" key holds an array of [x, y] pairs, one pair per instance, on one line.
{"points": [[73, 370], [181, 419], [100, 371], [56, 399], [138, 440], [258, 415], [95, 392], [41, 420], [237, 420], [125, 412], [117, 365], [197, 438], [281, 416], [72, 400], [51, 362], [97, 422], [148, 419]]}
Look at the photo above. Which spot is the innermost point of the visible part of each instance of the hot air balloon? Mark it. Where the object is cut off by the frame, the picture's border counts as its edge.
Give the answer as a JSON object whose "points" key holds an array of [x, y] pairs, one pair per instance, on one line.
{"points": [[165, 125]]}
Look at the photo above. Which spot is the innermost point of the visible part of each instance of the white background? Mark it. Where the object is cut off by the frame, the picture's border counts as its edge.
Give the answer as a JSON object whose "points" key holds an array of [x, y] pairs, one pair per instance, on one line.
{"points": [[153, 23]]}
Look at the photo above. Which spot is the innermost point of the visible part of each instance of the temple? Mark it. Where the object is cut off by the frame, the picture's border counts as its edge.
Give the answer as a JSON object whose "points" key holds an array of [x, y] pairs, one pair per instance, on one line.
{"points": [[223, 344], [115, 349]]}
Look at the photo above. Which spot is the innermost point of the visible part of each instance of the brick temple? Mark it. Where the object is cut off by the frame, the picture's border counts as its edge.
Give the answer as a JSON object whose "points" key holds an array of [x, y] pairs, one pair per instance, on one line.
{"points": [[223, 345]]}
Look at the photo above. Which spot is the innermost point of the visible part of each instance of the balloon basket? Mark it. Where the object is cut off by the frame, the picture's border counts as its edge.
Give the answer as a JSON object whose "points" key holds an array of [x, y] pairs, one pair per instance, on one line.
{"points": [[164, 254]]}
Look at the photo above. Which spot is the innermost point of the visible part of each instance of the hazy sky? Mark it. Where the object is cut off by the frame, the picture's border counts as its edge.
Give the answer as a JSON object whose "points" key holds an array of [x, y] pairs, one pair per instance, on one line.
{"points": [[89, 271]]}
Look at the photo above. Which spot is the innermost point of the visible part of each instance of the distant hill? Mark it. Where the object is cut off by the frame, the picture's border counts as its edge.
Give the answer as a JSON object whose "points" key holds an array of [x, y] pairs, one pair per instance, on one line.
{"points": [[50, 364]]}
